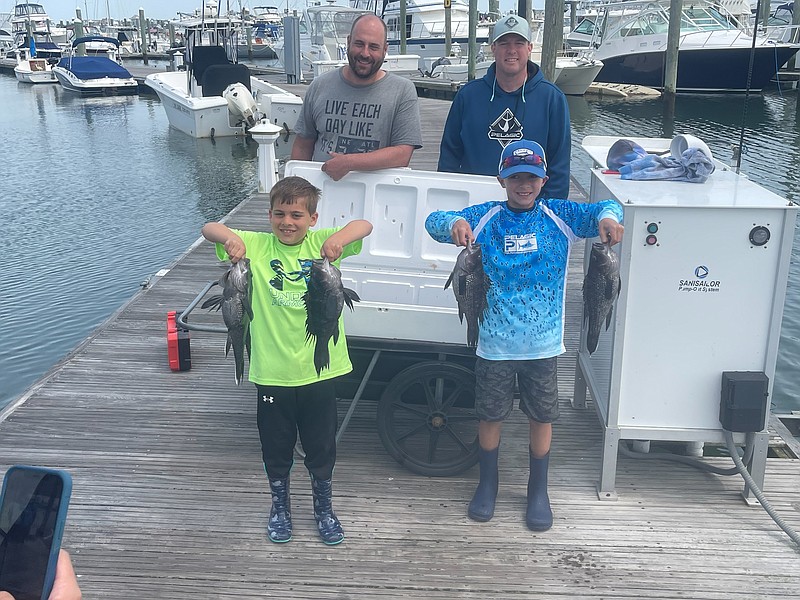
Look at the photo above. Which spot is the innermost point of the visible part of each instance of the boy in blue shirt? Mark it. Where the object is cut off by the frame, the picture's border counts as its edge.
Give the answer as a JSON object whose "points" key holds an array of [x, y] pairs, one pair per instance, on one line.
{"points": [[525, 244]]}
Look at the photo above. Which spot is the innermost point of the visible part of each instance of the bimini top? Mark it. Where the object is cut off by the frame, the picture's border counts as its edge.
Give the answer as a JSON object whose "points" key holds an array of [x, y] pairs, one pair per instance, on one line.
{"points": [[94, 67], [95, 38]]}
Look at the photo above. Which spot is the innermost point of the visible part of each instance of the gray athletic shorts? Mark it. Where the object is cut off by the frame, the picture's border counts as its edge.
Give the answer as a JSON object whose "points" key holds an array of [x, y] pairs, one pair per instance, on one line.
{"points": [[538, 388]]}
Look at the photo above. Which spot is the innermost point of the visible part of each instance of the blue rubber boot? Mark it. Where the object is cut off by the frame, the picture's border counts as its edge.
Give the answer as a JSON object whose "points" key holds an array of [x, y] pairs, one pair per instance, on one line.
{"points": [[279, 527], [481, 508], [538, 517], [330, 530]]}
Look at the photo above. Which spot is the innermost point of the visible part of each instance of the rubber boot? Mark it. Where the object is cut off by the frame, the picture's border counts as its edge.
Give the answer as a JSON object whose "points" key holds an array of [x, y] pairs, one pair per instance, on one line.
{"points": [[279, 527], [481, 508], [539, 517], [330, 530]]}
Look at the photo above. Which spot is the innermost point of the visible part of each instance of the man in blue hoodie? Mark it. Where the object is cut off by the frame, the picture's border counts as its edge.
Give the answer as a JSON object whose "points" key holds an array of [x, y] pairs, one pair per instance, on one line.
{"points": [[511, 102]]}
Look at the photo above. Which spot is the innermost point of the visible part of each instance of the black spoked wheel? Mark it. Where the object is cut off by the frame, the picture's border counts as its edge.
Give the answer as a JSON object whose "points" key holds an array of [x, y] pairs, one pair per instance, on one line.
{"points": [[426, 418]]}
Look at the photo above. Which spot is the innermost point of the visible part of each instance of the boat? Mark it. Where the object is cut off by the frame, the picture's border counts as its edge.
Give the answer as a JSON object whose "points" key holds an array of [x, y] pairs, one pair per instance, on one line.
{"points": [[425, 26], [715, 49], [31, 69], [30, 24], [266, 28], [323, 34], [96, 74], [216, 96]]}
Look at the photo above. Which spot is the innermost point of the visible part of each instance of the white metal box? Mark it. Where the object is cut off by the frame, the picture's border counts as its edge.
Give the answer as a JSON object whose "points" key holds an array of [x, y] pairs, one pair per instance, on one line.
{"points": [[700, 294]]}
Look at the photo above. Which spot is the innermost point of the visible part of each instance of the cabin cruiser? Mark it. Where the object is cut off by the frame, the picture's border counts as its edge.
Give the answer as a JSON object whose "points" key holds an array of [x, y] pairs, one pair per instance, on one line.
{"points": [[94, 74], [630, 38], [266, 28], [216, 96]]}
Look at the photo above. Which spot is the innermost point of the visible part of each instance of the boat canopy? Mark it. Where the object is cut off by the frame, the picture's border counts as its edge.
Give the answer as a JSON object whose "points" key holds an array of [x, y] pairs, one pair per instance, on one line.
{"points": [[95, 38], [94, 67]]}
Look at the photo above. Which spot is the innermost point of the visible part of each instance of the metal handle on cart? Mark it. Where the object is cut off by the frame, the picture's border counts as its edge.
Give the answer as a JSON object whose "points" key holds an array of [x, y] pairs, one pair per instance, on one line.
{"points": [[180, 319]]}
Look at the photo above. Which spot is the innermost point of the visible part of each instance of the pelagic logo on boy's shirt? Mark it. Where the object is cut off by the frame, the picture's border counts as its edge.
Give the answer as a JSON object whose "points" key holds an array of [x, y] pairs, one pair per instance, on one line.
{"points": [[520, 244]]}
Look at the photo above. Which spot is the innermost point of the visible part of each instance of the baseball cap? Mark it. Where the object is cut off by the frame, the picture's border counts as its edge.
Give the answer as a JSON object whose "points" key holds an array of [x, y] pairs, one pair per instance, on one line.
{"points": [[522, 156], [623, 152], [512, 24]]}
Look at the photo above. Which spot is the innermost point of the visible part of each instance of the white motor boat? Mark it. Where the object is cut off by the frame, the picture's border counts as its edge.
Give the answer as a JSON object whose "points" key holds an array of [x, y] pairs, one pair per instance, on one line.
{"points": [[715, 50], [425, 26], [96, 74], [266, 28], [216, 96], [30, 69], [323, 34]]}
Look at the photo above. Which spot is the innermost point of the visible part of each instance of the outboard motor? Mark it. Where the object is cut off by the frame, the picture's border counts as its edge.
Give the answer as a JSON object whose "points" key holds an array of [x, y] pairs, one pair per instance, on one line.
{"points": [[241, 104], [437, 63]]}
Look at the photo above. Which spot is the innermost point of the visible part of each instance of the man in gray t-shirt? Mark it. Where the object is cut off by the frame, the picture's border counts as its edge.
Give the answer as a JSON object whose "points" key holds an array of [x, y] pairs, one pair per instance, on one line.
{"points": [[359, 117]]}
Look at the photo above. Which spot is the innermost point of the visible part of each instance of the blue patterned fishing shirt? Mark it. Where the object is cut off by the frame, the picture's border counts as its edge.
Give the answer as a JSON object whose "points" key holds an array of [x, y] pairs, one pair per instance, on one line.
{"points": [[525, 256]]}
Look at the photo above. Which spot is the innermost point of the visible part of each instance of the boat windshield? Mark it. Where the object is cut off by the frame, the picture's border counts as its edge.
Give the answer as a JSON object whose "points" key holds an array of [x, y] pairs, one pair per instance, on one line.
{"points": [[655, 21], [21, 10]]}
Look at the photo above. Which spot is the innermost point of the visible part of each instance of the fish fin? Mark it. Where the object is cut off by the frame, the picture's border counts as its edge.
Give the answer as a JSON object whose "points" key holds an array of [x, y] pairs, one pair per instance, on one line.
{"points": [[449, 281], [350, 296], [321, 357], [247, 307], [608, 319], [247, 343], [228, 345], [336, 336], [213, 303]]}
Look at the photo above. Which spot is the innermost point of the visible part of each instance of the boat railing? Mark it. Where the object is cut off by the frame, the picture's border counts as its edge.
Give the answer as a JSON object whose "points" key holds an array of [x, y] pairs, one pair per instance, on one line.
{"points": [[781, 33], [703, 39]]}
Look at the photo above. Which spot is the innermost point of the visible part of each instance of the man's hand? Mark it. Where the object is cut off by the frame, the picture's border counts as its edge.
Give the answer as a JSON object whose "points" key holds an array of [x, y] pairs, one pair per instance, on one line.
{"points": [[337, 166]]}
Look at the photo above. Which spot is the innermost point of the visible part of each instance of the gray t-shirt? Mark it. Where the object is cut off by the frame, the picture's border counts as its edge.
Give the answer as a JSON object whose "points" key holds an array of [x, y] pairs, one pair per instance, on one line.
{"points": [[346, 118]]}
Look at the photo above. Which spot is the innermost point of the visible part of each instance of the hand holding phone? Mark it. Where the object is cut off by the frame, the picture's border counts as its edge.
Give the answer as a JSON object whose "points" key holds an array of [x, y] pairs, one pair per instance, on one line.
{"points": [[33, 510]]}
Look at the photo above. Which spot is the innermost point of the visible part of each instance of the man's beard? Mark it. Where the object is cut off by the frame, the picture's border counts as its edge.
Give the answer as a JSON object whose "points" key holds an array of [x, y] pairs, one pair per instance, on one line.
{"points": [[352, 59]]}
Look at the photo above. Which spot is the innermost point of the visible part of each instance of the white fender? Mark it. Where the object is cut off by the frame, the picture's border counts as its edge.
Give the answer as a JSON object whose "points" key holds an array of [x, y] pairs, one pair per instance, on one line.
{"points": [[241, 103]]}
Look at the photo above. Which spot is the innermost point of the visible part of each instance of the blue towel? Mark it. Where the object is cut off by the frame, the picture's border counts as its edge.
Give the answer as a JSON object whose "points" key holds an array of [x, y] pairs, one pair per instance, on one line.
{"points": [[692, 166]]}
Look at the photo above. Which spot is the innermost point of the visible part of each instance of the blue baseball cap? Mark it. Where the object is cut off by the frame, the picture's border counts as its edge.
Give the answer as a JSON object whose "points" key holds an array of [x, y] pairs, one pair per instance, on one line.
{"points": [[522, 156]]}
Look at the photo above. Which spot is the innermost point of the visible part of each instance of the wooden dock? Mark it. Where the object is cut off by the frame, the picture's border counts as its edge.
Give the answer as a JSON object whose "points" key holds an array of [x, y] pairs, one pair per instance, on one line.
{"points": [[170, 500]]}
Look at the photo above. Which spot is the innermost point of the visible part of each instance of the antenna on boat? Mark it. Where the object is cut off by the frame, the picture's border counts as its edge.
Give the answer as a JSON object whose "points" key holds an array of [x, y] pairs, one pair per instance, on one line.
{"points": [[740, 149]]}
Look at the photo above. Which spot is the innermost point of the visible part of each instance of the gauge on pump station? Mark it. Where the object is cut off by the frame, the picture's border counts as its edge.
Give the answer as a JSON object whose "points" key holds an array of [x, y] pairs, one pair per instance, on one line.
{"points": [[759, 235]]}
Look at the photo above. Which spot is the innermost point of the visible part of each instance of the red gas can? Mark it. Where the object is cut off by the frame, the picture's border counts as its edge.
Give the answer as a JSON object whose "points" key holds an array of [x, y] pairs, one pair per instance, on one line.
{"points": [[178, 348]]}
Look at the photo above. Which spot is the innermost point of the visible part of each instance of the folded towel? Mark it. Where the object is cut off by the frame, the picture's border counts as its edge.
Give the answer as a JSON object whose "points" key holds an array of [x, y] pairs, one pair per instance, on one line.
{"points": [[692, 166]]}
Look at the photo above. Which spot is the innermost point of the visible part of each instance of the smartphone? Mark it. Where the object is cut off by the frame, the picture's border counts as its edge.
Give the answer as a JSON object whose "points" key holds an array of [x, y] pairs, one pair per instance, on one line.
{"points": [[33, 510]]}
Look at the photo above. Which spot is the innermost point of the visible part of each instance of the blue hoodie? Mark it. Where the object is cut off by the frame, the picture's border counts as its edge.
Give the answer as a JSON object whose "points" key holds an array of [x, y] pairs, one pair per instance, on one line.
{"points": [[484, 119]]}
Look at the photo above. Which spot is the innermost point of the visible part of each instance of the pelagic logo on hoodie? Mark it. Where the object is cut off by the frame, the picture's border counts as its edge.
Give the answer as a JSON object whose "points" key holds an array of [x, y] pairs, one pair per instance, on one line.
{"points": [[506, 128]]}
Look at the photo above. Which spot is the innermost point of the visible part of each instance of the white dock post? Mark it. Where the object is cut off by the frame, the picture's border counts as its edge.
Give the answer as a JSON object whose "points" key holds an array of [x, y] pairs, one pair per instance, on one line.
{"points": [[266, 134]]}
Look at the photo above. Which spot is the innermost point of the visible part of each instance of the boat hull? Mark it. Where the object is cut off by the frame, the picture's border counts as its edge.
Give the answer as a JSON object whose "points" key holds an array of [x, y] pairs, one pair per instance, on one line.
{"points": [[574, 76], [209, 117], [699, 70], [104, 86], [264, 51], [26, 75]]}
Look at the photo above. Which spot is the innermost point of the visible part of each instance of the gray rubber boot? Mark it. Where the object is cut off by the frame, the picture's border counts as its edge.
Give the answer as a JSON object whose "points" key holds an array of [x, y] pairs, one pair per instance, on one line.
{"points": [[279, 527], [539, 516], [481, 508]]}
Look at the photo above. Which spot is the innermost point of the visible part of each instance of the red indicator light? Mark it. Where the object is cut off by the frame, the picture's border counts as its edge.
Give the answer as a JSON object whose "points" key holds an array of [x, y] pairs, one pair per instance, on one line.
{"points": [[651, 240]]}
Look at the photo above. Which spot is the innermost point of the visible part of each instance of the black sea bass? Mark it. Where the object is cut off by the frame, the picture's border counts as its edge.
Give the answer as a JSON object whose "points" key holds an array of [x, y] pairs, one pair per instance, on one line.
{"points": [[324, 299], [237, 311], [600, 289], [470, 285]]}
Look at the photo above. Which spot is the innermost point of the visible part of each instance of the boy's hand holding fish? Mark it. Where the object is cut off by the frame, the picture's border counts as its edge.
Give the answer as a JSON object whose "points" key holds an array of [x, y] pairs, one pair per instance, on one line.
{"points": [[221, 234], [610, 231], [334, 246]]}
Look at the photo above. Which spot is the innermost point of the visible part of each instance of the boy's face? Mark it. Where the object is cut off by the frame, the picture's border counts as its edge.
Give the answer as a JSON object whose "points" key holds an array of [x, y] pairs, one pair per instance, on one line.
{"points": [[522, 189], [290, 222]]}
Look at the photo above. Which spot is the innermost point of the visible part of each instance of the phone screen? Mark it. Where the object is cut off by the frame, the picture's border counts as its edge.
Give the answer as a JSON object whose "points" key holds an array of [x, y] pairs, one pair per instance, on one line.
{"points": [[28, 520]]}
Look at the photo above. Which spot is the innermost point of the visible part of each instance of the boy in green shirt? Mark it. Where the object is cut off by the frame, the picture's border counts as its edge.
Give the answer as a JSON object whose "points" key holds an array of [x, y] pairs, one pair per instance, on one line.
{"points": [[292, 397]]}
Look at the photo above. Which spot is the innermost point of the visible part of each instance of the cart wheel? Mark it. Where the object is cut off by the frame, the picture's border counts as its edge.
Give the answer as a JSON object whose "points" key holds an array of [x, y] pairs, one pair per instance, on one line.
{"points": [[427, 421]]}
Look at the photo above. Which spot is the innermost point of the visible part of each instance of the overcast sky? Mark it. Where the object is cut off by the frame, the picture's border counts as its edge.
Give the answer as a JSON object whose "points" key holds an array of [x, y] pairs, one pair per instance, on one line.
{"points": [[167, 9]]}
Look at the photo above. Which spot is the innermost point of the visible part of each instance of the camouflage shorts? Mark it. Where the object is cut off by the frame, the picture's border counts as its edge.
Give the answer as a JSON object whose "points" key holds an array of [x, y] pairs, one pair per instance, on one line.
{"points": [[538, 388]]}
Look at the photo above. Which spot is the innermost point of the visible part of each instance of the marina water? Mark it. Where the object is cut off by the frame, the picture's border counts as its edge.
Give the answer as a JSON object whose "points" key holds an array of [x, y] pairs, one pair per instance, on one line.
{"points": [[98, 194]]}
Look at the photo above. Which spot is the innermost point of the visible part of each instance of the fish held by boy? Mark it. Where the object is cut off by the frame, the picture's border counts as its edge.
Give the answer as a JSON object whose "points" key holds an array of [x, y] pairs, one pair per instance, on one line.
{"points": [[237, 311], [470, 285], [601, 286], [324, 299]]}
